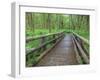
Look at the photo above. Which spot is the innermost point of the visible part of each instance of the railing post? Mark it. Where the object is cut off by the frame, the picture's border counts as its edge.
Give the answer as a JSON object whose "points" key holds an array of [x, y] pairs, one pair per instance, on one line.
{"points": [[53, 38], [43, 40], [80, 42]]}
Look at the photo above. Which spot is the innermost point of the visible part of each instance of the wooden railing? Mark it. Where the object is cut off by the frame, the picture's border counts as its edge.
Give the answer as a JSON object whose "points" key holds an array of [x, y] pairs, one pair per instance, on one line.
{"points": [[81, 46], [44, 40], [82, 38], [42, 36]]}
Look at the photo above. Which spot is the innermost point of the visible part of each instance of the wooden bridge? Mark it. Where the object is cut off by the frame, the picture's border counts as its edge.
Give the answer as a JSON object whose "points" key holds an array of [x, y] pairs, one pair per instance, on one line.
{"points": [[65, 49]]}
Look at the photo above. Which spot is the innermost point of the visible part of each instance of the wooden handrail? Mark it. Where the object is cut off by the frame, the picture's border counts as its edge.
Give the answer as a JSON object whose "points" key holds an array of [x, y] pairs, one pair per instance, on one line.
{"points": [[39, 37], [35, 49], [82, 38], [83, 54]]}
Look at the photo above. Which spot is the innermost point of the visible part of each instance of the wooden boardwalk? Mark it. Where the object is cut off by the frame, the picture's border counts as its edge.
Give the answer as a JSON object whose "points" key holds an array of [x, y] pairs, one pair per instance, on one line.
{"points": [[62, 54]]}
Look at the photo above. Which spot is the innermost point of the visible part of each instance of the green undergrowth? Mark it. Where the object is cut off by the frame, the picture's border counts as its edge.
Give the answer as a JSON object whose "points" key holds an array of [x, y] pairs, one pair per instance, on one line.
{"points": [[39, 32], [32, 58], [82, 33]]}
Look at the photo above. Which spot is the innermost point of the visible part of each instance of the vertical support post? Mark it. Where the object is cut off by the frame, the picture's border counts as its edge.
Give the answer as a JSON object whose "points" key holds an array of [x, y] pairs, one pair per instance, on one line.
{"points": [[53, 38], [43, 40]]}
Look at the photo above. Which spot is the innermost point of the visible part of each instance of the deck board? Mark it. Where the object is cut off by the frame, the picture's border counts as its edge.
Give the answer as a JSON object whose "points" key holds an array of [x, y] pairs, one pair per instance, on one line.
{"points": [[62, 54]]}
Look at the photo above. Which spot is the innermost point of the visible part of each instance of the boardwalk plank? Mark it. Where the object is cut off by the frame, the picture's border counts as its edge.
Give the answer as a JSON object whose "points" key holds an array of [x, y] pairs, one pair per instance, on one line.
{"points": [[62, 54]]}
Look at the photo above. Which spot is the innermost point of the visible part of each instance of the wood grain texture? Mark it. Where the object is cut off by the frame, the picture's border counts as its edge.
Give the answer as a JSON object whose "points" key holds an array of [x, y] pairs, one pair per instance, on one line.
{"points": [[62, 54]]}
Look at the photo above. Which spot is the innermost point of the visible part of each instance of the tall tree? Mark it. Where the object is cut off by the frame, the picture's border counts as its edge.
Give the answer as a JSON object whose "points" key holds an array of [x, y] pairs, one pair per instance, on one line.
{"points": [[49, 22]]}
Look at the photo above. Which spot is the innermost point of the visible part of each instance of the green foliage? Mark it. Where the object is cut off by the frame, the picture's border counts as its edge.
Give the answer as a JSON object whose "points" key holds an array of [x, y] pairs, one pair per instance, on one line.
{"points": [[33, 44], [83, 33], [38, 24]]}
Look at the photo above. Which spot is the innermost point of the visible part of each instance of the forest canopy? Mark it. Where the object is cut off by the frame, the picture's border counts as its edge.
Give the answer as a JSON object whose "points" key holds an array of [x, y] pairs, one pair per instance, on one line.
{"points": [[45, 23], [38, 25]]}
